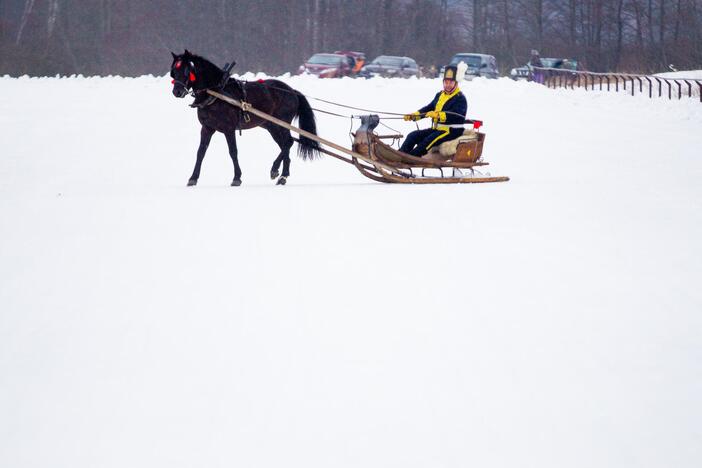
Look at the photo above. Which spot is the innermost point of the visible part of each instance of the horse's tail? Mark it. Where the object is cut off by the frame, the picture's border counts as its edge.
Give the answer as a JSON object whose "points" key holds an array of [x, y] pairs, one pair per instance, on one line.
{"points": [[308, 148]]}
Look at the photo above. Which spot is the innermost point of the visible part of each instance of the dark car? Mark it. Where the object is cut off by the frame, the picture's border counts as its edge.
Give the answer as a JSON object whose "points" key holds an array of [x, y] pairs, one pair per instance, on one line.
{"points": [[478, 65], [327, 66], [391, 66], [524, 73]]}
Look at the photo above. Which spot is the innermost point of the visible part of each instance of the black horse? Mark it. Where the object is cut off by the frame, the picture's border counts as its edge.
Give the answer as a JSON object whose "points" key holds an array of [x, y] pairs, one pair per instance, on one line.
{"points": [[195, 74]]}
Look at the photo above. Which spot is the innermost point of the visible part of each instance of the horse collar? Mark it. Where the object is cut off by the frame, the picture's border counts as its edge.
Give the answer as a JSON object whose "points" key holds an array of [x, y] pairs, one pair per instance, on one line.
{"points": [[211, 99], [207, 102]]}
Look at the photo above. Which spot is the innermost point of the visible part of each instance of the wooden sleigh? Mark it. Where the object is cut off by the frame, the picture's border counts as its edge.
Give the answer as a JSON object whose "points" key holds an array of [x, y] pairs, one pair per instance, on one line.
{"points": [[386, 164]]}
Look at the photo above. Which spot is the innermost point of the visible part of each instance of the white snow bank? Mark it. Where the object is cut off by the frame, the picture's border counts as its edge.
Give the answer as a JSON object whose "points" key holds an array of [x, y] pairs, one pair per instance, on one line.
{"points": [[550, 321], [686, 74]]}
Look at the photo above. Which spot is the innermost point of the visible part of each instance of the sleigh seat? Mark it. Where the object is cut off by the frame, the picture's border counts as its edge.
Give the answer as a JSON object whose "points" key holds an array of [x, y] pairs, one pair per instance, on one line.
{"points": [[466, 148]]}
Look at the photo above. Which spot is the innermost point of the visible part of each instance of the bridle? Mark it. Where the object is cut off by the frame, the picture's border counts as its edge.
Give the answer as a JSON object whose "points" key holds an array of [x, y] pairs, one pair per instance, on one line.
{"points": [[189, 77]]}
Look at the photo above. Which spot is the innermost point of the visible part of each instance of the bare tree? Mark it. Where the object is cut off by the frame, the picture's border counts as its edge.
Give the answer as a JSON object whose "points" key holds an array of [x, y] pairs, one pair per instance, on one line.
{"points": [[132, 37], [28, 9]]}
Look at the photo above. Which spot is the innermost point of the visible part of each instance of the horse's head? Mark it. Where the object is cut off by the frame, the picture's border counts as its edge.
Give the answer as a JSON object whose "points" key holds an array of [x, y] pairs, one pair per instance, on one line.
{"points": [[184, 74]]}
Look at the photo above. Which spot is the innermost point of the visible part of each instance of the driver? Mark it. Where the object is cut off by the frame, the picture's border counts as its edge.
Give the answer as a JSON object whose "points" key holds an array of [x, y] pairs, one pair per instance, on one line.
{"points": [[448, 114]]}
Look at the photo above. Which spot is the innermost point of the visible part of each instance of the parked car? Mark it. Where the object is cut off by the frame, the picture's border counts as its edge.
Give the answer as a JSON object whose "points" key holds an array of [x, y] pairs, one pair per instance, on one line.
{"points": [[356, 59], [327, 66], [391, 66], [524, 73], [478, 65]]}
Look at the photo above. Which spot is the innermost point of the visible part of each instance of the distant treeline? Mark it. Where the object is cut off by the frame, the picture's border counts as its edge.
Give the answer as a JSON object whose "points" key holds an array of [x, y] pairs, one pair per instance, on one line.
{"points": [[133, 37]]}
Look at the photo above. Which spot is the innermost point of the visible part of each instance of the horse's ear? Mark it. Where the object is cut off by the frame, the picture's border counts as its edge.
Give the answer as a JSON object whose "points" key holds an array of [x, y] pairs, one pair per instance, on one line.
{"points": [[187, 52], [174, 55]]}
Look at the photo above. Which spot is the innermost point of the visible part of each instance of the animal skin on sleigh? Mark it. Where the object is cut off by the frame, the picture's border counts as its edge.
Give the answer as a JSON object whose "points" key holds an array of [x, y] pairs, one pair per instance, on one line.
{"points": [[446, 151]]}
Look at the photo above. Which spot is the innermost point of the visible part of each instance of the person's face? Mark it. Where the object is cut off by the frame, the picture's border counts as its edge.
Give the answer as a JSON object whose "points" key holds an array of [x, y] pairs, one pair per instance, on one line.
{"points": [[449, 85]]}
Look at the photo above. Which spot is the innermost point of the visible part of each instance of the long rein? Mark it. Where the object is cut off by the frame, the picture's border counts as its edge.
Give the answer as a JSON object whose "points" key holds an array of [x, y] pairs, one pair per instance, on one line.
{"points": [[398, 116]]}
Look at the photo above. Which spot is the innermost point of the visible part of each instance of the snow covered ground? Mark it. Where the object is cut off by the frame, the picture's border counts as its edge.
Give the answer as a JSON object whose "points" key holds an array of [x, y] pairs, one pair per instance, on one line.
{"points": [[551, 321], [681, 75]]}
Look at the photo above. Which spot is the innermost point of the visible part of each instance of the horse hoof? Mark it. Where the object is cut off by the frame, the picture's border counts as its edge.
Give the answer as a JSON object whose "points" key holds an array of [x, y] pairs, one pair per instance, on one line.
{"points": [[236, 182], [274, 174], [282, 181], [192, 182]]}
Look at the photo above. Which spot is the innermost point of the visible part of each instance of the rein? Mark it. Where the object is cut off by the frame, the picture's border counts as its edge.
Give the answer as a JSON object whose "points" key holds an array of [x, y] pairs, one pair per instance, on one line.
{"points": [[399, 116]]}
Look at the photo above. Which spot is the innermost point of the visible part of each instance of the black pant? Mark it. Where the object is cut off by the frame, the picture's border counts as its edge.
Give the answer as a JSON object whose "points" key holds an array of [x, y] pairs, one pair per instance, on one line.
{"points": [[419, 142]]}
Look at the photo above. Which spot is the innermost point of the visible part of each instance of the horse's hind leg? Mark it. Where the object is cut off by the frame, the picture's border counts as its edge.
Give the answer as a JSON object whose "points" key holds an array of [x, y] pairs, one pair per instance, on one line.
{"points": [[205, 137], [234, 153], [284, 140], [275, 169]]}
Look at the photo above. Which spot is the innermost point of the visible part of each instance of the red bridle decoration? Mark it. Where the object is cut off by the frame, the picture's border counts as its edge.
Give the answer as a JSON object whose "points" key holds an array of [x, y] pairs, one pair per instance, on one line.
{"points": [[191, 76]]}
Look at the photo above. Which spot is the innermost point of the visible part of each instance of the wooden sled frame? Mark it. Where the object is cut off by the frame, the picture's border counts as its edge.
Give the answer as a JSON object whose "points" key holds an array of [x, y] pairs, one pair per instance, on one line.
{"points": [[373, 158]]}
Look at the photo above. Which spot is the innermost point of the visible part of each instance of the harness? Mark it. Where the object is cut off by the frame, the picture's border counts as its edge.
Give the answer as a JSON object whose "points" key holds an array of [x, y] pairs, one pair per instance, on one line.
{"points": [[245, 115], [209, 100]]}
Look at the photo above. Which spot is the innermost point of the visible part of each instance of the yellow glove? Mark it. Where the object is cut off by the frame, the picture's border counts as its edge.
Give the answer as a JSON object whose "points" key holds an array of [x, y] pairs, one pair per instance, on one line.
{"points": [[413, 116], [434, 115]]}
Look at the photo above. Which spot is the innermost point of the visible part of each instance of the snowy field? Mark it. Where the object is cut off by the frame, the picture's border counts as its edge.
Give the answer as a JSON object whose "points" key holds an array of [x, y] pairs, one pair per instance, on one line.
{"points": [[551, 321], [682, 75]]}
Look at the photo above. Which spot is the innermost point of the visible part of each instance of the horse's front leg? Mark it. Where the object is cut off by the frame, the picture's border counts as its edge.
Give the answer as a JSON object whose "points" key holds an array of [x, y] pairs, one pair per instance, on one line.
{"points": [[205, 137], [234, 153]]}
